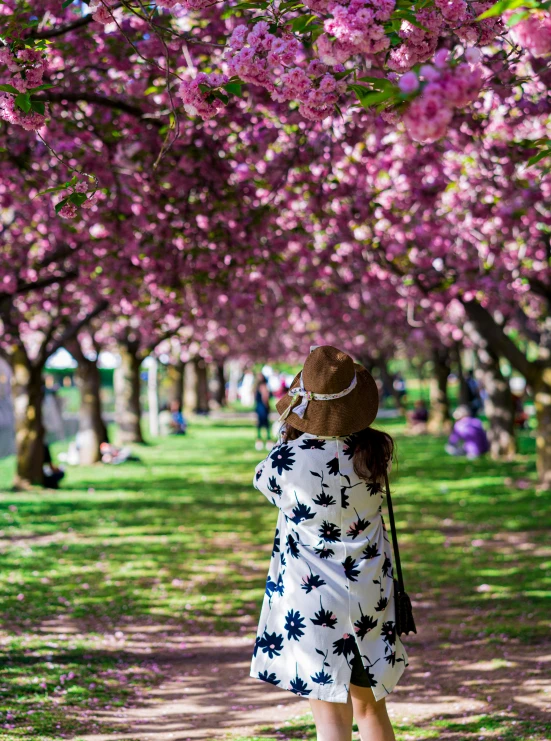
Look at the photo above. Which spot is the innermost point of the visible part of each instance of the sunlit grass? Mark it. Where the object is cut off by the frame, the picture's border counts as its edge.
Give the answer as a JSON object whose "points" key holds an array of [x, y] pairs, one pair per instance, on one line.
{"points": [[181, 539]]}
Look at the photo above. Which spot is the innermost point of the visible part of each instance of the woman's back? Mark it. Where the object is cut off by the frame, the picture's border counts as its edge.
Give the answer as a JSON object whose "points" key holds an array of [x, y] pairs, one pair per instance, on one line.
{"points": [[330, 581]]}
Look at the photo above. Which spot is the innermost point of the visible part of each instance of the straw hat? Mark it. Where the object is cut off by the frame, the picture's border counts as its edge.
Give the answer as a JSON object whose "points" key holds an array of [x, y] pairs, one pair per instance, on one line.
{"points": [[332, 397]]}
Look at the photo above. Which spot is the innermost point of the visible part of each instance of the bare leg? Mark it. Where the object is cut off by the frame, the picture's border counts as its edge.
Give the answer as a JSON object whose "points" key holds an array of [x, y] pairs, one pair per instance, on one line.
{"points": [[371, 716], [333, 720]]}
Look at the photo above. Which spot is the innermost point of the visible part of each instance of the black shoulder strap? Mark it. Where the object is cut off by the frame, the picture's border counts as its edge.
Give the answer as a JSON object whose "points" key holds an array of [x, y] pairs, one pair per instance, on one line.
{"points": [[394, 537]]}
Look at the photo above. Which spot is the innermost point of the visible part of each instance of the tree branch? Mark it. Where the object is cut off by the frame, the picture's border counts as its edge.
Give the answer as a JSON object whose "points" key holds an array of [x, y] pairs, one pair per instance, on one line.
{"points": [[51, 33], [499, 342], [101, 100], [73, 329]]}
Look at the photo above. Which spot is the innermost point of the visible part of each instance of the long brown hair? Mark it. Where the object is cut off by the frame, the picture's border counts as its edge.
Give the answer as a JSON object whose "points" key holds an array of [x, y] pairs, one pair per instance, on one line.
{"points": [[373, 450]]}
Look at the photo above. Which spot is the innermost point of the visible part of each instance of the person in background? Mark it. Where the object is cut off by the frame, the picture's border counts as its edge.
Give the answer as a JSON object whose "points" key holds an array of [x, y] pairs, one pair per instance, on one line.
{"points": [[179, 424], [262, 408], [52, 473], [474, 400], [418, 418], [468, 436]]}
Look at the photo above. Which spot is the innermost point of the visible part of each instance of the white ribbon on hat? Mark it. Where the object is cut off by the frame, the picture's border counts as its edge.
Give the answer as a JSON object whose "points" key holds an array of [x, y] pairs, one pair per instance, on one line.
{"points": [[307, 396]]}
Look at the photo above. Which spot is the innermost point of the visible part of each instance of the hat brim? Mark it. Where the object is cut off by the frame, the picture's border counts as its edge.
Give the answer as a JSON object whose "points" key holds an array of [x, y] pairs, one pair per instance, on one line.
{"points": [[337, 417]]}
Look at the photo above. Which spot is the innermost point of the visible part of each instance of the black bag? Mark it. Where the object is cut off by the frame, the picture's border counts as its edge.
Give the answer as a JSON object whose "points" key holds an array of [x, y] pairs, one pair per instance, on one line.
{"points": [[404, 612]]}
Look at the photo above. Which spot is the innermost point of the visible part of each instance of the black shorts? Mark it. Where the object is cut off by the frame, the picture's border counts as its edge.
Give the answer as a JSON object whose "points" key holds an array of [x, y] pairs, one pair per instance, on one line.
{"points": [[359, 676]]}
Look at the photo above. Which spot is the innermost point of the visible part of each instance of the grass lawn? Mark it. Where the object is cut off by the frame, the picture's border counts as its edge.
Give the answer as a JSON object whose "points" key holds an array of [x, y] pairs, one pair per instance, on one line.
{"points": [[180, 542]]}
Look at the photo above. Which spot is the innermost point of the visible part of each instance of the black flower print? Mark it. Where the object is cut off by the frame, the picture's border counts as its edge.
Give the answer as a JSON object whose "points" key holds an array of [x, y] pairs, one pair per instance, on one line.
{"points": [[312, 444], [344, 498], [301, 512], [271, 678], [282, 458], [256, 645], [381, 604], [324, 499], [299, 686], [270, 586], [387, 566], [344, 489], [333, 466], [372, 682], [292, 547], [282, 559], [271, 644], [324, 618], [364, 625], [357, 527], [373, 487], [258, 474], [322, 678], [350, 445], [330, 532], [311, 581], [388, 631], [391, 658], [280, 588], [344, 646], [371, 551], [277, 543], [273, 486], [294, 625], [350, 570], [324, 552]]}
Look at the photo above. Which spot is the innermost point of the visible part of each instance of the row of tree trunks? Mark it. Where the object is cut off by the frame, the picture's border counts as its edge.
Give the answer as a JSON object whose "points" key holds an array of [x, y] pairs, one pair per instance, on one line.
{"points": [[536, 372]]}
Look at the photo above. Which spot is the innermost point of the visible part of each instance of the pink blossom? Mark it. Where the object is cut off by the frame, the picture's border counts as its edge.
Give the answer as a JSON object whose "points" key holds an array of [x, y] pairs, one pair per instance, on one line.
{"points": [[534, 33], [101, 13], [408, 83], [428, 116], [196, 100], [68, 211]]}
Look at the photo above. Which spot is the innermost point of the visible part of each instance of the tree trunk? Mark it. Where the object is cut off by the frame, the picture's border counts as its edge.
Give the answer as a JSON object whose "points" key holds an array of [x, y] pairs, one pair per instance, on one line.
{"points": [[28, 394], [220, 396], [464, 395], [499, 406], [127, 395], [92, 431], [439, 421], [176, 372], [153, 396], [202, 386], [233, 384], [388, 380], [542, 399]]}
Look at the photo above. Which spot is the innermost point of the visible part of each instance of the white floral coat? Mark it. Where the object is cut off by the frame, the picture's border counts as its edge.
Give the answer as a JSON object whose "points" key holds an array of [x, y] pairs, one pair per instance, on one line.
{"points": [[330, 578]]}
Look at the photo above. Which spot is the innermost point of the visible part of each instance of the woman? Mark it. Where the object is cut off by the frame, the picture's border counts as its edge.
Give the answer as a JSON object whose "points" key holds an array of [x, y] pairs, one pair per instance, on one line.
{"points": [[262, 408], [326, 629]]}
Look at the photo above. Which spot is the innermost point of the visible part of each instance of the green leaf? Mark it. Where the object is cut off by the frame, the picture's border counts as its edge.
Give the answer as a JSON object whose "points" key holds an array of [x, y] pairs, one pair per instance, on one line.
{"points": [[60, 205], [9, 89], [66, 3], [300, 24], [371, 99], [77, 198], [517, 18], [23, 101], [40, 87], [503, 5], [234, 88], [38, 106], [538, 157]]}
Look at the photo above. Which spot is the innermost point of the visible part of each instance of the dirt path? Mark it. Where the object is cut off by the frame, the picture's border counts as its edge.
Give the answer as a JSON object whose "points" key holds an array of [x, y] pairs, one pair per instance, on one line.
{"points": [[207, 693]]}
